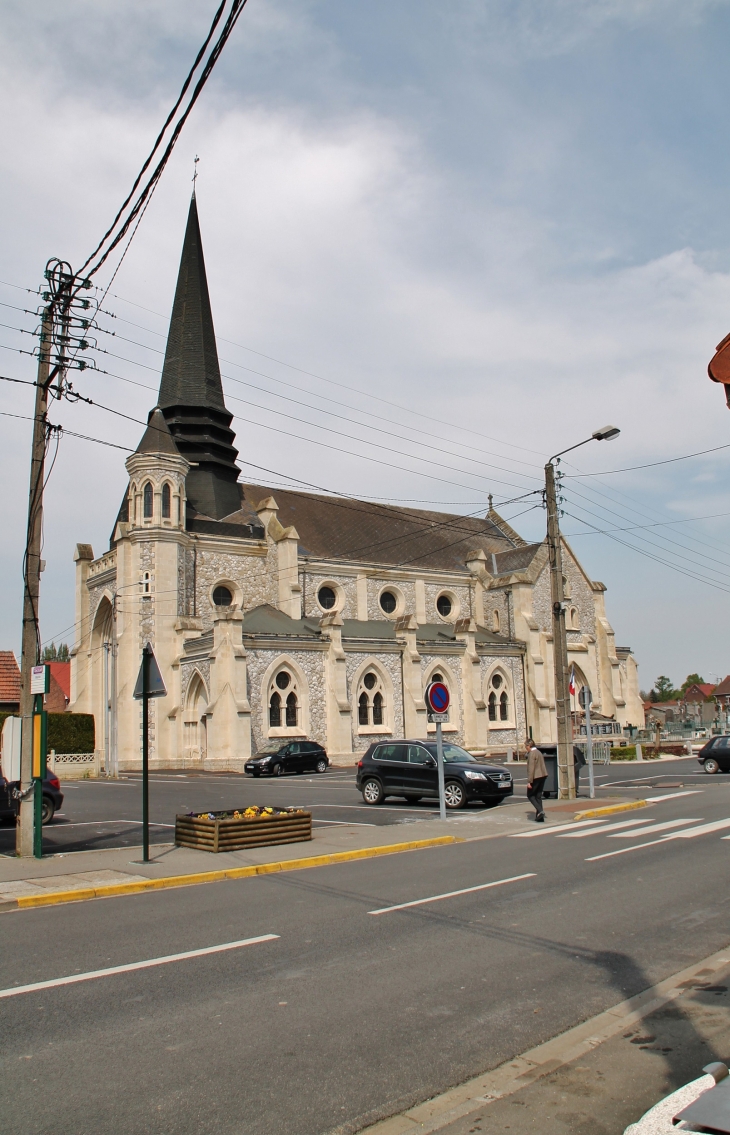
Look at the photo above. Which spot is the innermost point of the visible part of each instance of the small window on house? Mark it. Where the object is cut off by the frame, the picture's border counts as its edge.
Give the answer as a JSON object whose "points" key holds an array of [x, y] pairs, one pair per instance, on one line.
{"points": [[166, 501], [388, 602], [147, 497], [327, 598], [275, 710], [222, 596], [443, 606]]}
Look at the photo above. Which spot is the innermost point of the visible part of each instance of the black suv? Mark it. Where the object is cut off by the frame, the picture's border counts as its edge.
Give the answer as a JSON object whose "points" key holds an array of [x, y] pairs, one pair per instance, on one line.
{"points": [[52, 798], [715, 755], [279, 757], [409, 769]]}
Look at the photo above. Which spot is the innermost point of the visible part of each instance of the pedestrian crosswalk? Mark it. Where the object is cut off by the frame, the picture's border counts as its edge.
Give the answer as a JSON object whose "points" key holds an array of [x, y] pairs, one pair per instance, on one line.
{"points": [[632, 829]]}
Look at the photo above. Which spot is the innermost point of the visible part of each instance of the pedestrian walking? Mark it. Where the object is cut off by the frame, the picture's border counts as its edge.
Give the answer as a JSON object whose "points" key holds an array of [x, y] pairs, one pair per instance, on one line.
{"points": [[536, 777], [579, 762]]}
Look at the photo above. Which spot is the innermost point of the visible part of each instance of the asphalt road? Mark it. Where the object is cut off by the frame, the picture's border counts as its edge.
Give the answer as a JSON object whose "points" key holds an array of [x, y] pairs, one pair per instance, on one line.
{"points": [[348, 1015], [99, 813]]}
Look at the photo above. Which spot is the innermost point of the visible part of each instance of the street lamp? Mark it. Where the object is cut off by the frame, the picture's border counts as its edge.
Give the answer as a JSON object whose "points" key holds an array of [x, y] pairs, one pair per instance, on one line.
{"points": [[566, 777]]}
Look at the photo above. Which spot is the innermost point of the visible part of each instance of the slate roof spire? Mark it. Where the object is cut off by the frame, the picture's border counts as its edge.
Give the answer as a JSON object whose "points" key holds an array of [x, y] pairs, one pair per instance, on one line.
{"points": [[191, 392], [157, 437]]}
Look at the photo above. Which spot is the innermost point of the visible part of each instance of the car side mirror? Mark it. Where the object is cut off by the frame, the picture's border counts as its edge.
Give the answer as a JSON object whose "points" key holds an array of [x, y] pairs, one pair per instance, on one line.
{"points": [[432, 762]]}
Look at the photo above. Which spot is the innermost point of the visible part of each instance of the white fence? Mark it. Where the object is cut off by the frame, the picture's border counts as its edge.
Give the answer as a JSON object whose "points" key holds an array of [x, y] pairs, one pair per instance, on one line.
{"points": [[76, 766]]}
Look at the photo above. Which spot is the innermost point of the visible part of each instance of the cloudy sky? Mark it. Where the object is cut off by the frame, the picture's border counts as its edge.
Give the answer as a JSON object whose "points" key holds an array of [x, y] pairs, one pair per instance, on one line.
{"points": [[443, 241]]}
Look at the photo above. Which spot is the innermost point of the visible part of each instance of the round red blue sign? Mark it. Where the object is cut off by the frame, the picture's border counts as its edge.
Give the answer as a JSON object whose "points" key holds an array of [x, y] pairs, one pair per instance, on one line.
{"points": [[437, 697]]}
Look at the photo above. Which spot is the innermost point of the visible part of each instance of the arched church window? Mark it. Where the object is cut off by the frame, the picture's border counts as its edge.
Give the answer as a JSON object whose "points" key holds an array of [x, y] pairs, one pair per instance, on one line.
{"points": [[371, 701], [147, 499], [166, 501], [492, 706], [146, 579], [275, 710], [574, 620], [503, 706], [292, 710], [498, 700]]}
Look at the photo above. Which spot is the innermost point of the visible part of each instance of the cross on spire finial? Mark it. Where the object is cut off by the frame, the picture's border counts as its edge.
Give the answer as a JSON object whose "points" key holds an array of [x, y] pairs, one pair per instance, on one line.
{"points": [[196, 159]]}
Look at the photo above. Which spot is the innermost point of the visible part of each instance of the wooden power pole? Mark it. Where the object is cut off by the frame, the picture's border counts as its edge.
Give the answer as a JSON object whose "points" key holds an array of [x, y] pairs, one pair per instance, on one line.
{"points": [[566, 772]]}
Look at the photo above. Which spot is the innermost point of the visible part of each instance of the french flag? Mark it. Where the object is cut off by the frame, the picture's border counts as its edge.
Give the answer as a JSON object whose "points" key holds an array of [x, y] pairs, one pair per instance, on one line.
{"points": [[571, 687]]}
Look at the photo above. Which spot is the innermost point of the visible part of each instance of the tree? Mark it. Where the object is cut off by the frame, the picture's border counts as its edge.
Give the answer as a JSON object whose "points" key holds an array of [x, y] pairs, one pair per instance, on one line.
{"points": [[53, 653], [664, 689]]}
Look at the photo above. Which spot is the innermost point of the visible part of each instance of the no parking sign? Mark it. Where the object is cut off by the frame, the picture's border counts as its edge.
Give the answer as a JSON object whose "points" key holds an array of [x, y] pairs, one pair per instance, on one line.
{"points": [[437, 699]]}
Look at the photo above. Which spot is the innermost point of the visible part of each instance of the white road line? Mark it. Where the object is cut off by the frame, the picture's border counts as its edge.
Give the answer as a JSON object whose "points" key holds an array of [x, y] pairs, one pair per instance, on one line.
{"points": [[14, 991], [673, 795], [559, 828], [346, 823], [96, 823], [690, 833], [658, 828], [623, 850], [452, 894], [605, 828]]}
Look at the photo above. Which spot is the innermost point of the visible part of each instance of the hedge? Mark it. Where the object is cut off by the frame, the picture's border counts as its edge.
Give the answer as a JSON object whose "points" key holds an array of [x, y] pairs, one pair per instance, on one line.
{"points": [[67, 732]]}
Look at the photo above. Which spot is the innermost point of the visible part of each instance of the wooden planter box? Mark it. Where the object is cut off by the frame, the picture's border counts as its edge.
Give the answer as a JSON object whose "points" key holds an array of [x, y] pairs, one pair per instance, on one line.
{"points": [[236, 834]]}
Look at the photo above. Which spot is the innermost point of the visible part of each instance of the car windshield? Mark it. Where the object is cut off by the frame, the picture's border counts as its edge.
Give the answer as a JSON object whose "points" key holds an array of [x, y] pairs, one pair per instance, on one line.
{"points": [[271, 747], [453, 753]]}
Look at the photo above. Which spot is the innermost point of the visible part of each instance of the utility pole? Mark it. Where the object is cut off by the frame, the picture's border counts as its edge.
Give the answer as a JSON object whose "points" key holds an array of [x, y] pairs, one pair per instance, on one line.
{"points": [[30, 647], [566, 772]]}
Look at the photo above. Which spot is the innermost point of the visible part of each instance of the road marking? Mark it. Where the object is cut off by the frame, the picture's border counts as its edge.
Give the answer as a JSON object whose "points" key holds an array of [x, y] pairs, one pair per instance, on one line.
{"points": [[345, 823], [673, 795], [14, 991], [452, 894], [96, 823], [560, 828], [690, 833], [658, 828], [606, 828]]}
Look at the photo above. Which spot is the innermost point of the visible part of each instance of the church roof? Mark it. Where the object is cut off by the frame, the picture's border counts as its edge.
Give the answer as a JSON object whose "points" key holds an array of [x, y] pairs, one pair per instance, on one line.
{"points": [[191, 374], [157, 437], [363, 531]]}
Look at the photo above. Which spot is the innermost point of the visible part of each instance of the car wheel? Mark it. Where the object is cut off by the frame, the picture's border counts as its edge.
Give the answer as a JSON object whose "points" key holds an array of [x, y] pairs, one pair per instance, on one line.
{"points": [[47, 811], [710, 765], [372, 792], [321, 765], [278, 769], [454, 794]]}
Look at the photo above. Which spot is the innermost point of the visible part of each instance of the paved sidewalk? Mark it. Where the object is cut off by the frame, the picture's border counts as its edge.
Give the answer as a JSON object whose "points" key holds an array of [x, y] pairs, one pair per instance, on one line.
{"points": [[90, 873]]}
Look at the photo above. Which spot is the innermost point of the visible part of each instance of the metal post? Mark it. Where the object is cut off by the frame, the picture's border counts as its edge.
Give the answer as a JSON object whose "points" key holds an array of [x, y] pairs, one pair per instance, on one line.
{"points": [[589, 749], [440, 761], [145, 755], [24, 837], [566, 774]]}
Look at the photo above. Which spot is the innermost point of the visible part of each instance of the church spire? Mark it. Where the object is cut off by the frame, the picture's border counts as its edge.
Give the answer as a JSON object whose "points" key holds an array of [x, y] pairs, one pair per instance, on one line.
{"points": [[191, 392]]}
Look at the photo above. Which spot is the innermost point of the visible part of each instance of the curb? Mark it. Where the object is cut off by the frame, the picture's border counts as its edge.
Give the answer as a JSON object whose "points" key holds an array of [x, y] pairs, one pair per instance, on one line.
{"points": [[113, 890], [593, 813]]}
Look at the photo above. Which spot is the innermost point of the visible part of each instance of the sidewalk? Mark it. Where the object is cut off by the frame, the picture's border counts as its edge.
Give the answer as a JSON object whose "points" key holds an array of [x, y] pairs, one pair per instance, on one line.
{"points": [[95, 874]]}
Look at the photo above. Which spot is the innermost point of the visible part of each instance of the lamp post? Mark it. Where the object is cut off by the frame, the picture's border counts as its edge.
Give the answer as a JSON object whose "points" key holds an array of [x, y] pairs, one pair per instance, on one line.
{"points": [[566, 777]]}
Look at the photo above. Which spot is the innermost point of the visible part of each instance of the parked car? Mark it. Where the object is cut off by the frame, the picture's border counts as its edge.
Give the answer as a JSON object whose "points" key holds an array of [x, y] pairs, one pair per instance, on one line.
{"points": [[278, 757], [52, 798], [715, 755], [409, 769]]}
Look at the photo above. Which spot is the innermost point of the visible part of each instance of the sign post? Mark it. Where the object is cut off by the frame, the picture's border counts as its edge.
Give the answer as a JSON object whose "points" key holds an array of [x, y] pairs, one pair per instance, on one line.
{"points": [[585, 697], [149, 685], [437, 701], [40, 677]]}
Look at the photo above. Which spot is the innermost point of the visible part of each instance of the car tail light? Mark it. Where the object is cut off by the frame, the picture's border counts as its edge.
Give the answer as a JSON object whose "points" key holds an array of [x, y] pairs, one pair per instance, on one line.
{"points": [[54, 782], [359, 764]]}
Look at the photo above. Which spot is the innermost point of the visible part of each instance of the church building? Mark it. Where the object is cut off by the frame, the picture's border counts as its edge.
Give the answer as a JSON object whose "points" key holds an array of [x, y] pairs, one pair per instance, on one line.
{"points": [[300, 615]]}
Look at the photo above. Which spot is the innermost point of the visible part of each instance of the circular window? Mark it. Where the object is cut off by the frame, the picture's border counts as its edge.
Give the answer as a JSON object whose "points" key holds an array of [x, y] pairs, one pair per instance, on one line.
{"points": [[327, 598], [369, 681], [222, 597], [497, 681], [388, 602], [443, 606], [283, 679]]}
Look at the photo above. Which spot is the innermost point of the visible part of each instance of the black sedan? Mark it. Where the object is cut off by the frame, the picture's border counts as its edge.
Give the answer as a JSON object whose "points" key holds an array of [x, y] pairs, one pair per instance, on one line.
{"points": [[409, 769], [715, 755], [278, 757], [52, 799]]}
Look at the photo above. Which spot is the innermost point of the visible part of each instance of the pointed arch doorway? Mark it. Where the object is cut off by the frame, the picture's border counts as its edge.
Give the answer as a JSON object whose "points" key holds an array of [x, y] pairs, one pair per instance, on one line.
{"points": [[195, 724]]}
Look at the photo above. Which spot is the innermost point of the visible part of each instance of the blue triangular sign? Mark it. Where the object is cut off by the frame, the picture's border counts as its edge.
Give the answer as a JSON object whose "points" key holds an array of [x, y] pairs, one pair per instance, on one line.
{"points": [[155, 684]]}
